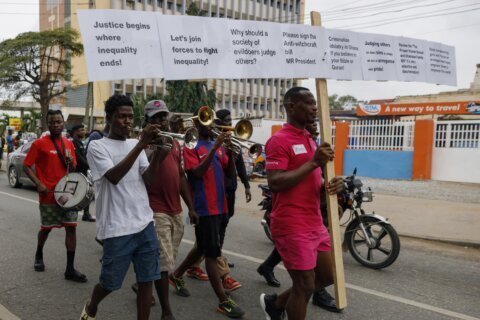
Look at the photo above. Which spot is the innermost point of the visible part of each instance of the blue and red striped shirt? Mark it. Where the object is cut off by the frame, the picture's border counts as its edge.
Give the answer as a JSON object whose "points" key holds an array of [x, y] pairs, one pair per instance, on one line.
{"points": [[209, 190]]}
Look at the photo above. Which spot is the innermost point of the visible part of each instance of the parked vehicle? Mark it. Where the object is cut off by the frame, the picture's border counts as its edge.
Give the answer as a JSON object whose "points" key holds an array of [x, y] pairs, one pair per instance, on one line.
{"points": [[370, 238], [16, 175]]}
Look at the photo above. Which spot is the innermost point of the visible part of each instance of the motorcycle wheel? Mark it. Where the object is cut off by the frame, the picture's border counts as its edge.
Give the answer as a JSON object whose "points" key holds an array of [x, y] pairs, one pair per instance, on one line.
{"points": [[385, 243]]}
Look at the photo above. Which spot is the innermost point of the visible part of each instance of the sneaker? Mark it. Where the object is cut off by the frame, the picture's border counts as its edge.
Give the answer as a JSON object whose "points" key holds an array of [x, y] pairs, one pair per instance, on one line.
{"points": [[179, 285], [230, 284], [268, 307], [197, 273], [38, 265], [324, 300], [230, 309]]}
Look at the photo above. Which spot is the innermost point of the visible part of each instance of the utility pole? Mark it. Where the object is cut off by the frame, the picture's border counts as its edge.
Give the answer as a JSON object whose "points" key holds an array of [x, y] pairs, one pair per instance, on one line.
{"points": [[88, 104]]}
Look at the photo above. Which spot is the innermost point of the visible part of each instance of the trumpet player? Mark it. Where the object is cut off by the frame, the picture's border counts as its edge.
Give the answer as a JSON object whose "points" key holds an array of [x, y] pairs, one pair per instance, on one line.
{"points": [[224, 119], [207, 165], [164, 200]]}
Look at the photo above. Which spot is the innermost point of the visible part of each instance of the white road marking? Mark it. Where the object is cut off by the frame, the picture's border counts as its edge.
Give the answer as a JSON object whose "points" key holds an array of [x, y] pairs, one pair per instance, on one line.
{"points": [[379, 294], [18, 197]]}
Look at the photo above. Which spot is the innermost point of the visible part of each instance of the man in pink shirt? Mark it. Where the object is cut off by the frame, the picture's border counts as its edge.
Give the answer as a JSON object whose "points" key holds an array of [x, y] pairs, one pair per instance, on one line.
{"points": [[294, 175]]}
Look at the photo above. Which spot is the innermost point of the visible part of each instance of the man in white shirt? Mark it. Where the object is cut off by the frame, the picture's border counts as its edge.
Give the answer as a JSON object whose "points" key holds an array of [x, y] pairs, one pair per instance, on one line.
{"points": [[120, 170]]}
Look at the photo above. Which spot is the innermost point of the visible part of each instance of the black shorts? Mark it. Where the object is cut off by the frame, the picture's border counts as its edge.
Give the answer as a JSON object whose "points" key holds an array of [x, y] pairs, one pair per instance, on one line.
{"points": [[210, 233]]}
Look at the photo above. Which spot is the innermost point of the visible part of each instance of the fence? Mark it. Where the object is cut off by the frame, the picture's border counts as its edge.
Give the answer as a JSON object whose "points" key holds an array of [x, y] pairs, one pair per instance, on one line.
{"points": [[381, 135], [457, 134]]}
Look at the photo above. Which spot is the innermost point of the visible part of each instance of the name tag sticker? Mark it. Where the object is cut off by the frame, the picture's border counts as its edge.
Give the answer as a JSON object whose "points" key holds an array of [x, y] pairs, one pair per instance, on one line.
{"points": [[299, 149]]}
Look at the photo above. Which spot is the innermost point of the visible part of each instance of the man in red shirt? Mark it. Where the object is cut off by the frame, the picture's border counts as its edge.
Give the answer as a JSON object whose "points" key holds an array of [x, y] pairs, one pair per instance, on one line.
{"points": [[52, 156], [206, 166], [164, 200], [294, 175]]}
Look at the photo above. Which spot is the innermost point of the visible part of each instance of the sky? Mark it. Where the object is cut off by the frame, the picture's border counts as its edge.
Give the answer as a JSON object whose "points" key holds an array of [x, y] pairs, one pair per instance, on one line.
{"points": [[461, 30]]}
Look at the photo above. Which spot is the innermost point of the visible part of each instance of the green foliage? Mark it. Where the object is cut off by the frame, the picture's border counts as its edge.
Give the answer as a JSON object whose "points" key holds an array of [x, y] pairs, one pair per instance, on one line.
{"points": [[186, 96], [35, 64], [337, 102], [29, 121]]}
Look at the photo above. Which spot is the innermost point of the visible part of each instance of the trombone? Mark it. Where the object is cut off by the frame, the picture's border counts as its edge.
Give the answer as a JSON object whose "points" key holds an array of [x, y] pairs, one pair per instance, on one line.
{"points": [[165, 139]]}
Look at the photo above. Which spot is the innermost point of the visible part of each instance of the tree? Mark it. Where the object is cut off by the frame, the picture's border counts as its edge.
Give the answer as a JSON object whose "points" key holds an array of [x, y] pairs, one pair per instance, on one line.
{"points": [[29, 121], [35, 64], [187, 96], [337, 102]]}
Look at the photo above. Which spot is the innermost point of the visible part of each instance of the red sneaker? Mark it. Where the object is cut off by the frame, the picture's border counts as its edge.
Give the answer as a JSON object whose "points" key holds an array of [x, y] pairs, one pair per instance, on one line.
{"points": [[197, 273], [230, 284]]}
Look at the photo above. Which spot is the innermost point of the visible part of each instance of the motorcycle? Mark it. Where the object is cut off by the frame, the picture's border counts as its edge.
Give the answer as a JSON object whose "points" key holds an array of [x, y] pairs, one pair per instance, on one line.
{"points": [[370, 238]]}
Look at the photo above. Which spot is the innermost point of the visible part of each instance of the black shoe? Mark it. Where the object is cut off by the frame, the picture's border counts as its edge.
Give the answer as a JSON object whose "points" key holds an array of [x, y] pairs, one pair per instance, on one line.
{"points": [[268, 307], [324, 300], [75, 276], [269, 276], [38, 265], [88, 217], [135, 289]]}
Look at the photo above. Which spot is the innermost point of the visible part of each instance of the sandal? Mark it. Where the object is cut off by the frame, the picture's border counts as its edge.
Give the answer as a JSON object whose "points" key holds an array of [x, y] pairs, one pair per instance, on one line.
{"points": [[85, 316], [76, 276]]}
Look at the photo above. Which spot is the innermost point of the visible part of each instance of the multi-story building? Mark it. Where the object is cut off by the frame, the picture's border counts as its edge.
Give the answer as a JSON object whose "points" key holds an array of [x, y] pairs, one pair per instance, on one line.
{"points": [[244, 97]]}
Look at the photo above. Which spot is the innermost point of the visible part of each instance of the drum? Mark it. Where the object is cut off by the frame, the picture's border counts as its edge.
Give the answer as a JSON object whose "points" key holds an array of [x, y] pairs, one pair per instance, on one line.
{"points": [[74, 191]]}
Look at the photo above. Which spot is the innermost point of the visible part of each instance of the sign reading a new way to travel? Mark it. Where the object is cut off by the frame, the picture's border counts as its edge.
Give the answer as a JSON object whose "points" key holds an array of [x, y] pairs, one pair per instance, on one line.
{"points": [[122, 44]]}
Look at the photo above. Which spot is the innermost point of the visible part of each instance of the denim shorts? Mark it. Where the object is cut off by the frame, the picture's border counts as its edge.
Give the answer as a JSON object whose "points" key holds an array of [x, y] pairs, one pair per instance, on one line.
{"points": [[140, 248]]}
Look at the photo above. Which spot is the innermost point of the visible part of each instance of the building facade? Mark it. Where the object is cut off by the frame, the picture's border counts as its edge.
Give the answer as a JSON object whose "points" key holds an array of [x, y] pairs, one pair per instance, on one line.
{"points": [[244, 97]]}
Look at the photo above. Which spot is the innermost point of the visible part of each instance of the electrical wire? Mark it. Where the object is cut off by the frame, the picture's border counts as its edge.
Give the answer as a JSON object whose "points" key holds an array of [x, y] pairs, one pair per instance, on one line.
{"points": [[371, 24]]}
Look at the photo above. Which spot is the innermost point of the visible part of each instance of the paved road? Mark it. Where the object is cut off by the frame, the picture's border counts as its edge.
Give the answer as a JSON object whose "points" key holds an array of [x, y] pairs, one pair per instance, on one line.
{"points": [[428, 281]]}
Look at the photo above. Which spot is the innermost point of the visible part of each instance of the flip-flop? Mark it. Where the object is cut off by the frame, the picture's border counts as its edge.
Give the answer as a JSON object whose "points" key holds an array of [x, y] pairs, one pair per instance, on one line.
{"points": [[76, 276], [85, 316]]}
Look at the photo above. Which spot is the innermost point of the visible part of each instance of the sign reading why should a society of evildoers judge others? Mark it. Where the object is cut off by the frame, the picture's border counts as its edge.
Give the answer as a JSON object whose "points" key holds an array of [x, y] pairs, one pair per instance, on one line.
{"points": [[122, 44]]}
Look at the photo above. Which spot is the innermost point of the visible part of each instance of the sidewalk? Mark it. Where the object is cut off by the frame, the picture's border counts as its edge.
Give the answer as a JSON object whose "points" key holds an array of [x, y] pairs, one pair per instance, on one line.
{"points": [[455, 222], [448, 221], [6, 315]]}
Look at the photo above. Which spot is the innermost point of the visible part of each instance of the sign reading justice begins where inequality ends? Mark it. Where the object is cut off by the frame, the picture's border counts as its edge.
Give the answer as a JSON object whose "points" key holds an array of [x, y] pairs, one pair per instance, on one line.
{"points": [[125, 44], [120, 45]]}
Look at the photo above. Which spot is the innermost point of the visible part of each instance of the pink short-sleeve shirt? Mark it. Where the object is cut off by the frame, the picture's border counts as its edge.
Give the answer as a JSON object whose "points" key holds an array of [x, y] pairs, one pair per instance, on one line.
{"points": [[297, 209]]}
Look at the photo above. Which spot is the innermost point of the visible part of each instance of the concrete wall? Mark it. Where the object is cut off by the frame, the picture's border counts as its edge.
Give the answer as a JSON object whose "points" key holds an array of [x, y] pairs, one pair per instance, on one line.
{"points": [[456, 164], [379, 163]]}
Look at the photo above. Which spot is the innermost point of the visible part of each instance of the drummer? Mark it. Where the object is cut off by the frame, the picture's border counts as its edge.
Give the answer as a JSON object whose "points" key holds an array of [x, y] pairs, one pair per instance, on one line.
{"points": [[53, 156]]}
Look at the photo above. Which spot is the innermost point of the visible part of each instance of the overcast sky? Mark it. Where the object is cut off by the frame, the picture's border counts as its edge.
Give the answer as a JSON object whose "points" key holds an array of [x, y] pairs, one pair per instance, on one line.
{"points": [[461, 30]]}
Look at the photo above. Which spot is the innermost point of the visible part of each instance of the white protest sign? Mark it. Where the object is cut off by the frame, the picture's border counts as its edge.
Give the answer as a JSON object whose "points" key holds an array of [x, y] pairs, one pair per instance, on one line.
{"points": [[441, 68], [120, 44], [344, 55], [379, 56], [256, 50], [126, 44], [193, 47], [305, 50]]}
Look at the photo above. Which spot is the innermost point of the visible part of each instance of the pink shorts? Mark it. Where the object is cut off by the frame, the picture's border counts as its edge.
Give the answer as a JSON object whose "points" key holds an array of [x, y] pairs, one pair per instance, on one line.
{"points": [[299, 251]]}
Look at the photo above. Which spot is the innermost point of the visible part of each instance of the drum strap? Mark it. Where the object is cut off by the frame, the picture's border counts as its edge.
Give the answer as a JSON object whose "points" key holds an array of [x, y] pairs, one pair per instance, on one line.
{"points": [[60, 154]]}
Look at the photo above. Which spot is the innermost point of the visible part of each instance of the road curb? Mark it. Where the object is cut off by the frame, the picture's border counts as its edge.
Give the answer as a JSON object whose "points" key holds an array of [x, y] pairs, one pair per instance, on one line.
{"points": [[7, 315], [464, 243]]}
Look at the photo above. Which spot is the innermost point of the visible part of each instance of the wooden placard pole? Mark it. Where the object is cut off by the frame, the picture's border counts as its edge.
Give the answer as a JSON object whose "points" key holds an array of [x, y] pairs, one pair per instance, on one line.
{"points": [[332, 204]]}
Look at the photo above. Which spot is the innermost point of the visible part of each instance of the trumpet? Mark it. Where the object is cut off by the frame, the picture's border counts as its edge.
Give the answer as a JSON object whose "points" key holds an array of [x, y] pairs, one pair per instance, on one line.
{"points": [[165, 139]]}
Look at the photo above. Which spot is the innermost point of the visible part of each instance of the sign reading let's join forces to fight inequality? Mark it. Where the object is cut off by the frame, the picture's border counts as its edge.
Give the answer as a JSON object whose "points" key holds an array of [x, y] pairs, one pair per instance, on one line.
{"points": [[122, 44]]}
